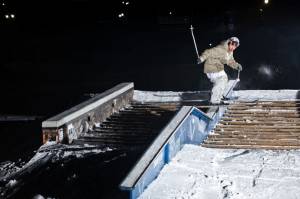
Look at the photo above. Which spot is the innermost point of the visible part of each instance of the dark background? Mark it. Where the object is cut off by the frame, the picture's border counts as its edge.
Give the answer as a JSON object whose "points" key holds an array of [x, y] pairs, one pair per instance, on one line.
{"points": [[55, 53]]}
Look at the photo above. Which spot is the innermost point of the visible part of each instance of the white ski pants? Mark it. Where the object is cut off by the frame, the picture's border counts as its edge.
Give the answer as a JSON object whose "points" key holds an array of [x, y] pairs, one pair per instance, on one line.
{"points": [[219, 80]]}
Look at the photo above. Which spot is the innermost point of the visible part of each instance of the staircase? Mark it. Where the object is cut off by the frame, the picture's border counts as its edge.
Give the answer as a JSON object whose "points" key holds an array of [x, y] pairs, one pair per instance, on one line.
{"points": [[258, 125], [135, 125]]}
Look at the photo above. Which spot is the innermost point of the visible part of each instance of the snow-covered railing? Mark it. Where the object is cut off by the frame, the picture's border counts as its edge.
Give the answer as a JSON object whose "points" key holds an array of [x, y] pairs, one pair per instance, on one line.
{"points": [[69, 124], [189, 126]]}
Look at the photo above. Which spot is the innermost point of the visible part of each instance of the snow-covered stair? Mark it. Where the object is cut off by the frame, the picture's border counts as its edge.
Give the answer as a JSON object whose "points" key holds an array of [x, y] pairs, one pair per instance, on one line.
{"points": [[258, 124]]}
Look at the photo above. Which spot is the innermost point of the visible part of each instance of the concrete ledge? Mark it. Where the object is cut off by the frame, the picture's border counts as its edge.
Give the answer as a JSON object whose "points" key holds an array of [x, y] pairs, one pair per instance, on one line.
{"points": [[69, 125], [77, 111]]}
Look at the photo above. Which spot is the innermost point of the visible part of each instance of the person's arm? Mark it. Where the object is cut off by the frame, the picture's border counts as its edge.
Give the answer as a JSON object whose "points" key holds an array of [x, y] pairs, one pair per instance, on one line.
{"points": [[212, 52], [233, 64]]}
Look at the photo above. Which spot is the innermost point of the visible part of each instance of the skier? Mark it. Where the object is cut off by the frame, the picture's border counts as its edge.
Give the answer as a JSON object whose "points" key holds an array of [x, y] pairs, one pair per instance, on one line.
{"points": [[214, 59]]}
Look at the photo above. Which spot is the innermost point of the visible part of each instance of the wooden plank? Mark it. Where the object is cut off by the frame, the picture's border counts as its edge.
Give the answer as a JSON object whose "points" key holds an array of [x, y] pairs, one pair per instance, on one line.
{"points": [[275, 107], [242, 115], [240, 146], [264, 123], [253, 136], [272, 114], [279, 119], [256, 142], [256, 133], [254, 139], [262, 105], [269, 102], [259, 126], [274, 132], [257, 130], [266, 112]]}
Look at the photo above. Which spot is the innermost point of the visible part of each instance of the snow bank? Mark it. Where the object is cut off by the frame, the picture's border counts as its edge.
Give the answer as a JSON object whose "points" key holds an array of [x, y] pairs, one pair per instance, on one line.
{"points": [[197, 172], [49, 151], [62, 151]]}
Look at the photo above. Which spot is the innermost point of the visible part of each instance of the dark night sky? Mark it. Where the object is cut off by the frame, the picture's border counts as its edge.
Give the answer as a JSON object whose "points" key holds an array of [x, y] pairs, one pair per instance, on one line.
{"points": [[72, 47], [88, 11]]}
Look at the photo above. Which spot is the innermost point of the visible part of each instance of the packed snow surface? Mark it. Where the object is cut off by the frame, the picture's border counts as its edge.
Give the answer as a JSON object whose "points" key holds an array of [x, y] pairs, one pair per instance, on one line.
{"points": [[247, 95], [197, 172], [241, 95], [166, 96]]}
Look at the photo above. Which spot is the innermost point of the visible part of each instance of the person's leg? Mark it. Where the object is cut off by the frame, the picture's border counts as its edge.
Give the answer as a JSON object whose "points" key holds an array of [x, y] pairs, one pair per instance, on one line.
{"points": [[218, 88], [212, 79]]}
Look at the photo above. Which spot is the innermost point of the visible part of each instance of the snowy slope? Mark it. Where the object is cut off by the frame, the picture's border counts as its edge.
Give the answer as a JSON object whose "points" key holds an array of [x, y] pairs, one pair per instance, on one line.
{"points": [[198, 172]]}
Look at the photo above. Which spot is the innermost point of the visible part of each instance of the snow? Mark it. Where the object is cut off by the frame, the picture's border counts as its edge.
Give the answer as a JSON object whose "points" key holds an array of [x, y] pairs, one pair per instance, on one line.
{"points": [[71, 133], [82, 153], [62, 151], [159, 96], [12, 183], [53, 152], [163, 96], [241, 95], [248, 95], [198, 172], [97, 124], [38, 197], [266, 71]]}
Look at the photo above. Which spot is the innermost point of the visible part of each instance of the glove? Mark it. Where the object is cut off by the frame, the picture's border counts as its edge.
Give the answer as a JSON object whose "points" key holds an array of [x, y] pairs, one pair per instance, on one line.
{"points": [[199, 60], [239, 67]]}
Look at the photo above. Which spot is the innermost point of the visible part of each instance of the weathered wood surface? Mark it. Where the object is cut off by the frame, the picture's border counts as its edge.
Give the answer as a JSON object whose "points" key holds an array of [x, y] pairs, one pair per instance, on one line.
{"points": [[258, 125]]}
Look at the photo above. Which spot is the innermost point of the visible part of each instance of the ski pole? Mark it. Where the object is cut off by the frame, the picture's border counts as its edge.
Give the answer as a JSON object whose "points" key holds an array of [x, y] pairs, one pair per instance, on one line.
{"points": [[194, 41], [238, 76]]}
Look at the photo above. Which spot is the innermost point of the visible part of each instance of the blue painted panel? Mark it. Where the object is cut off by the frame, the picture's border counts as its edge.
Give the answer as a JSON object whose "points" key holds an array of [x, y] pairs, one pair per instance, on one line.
{"points": [[215, 119], [193, 130], [150, 174]]}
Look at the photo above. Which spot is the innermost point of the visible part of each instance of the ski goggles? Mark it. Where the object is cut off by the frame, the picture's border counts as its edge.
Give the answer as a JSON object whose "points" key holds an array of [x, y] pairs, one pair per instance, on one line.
{"points": [[234, 43]]}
